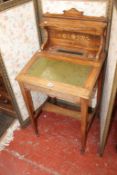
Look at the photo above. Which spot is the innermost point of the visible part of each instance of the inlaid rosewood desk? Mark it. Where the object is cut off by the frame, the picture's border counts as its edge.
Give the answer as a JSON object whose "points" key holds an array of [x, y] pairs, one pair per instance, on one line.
{"points": [[69, 64]]}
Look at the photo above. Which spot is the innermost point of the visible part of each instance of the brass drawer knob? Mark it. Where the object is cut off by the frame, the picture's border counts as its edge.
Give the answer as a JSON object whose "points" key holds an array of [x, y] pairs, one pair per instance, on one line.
{"points": [[5, 101]]}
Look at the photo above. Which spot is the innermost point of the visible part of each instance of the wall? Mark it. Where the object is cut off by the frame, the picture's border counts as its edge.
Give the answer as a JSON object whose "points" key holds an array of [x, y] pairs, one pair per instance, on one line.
{"points": [[110, 71], [18, 42], [91, 8]]}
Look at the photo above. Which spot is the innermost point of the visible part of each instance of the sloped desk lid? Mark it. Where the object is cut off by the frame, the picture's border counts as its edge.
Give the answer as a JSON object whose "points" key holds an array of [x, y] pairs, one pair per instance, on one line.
{"points": [[73, 79], [60, 71]]}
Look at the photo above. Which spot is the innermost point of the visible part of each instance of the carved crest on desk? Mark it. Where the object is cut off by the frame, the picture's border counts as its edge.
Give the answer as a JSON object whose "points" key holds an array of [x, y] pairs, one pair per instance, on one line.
{"points": [[73, 12]]}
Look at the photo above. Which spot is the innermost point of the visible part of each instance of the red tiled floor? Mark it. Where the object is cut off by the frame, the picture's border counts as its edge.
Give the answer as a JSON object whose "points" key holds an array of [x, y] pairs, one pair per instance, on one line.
{"points": [[12, 163], [57, 150]]}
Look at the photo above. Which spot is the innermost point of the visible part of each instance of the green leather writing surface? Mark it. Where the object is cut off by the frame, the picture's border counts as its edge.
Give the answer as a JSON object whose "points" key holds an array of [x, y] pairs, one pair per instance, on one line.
{"points": [[60, 71]]}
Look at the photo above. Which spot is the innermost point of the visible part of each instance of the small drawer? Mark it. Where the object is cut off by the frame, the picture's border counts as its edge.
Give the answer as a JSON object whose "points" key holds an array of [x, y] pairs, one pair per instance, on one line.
{"points": [[5, 99]]}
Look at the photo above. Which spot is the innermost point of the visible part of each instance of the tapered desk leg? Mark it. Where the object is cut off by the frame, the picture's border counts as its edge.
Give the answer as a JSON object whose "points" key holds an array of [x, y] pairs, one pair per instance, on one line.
{"points": [[29, 104], [84, 122], [99, 93]]}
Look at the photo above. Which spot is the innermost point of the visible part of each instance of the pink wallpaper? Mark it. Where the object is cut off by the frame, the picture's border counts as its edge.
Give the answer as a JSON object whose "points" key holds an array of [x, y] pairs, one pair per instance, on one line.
{"points": [[18, 42], [91, 8]]}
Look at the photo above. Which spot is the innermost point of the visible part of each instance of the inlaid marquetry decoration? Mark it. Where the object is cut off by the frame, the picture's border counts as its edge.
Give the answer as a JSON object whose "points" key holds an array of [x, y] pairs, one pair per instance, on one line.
{"points": [[70, 36]]}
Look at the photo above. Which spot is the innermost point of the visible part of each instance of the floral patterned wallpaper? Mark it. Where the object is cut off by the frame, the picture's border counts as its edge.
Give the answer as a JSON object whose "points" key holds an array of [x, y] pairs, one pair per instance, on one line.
{"points": [[110, 71], [18, 42], [91, 8]]}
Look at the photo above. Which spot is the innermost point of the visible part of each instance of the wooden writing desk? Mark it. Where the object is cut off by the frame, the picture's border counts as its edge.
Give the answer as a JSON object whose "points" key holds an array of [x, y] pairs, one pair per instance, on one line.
{"points": [[69, 64]]}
